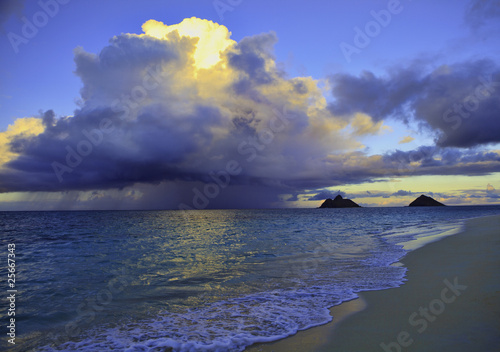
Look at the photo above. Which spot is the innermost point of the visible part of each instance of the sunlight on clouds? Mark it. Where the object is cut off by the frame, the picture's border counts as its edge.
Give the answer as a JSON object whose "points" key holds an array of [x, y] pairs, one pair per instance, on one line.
{"points": [[25, 200], [363, 124], [302, 94], [213, 38], [407, 139], [185, 99], [12, 197], [25, 127], [464, 190]]}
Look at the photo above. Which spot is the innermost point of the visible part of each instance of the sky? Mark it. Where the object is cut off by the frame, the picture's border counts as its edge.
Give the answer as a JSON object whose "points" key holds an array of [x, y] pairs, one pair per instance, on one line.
{"points": [[247, 104]]}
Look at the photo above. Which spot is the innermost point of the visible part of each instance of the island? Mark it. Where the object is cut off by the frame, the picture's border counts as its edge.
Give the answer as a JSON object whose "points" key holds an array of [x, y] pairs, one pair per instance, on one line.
{"points": [[339, 202], [424, 201]]}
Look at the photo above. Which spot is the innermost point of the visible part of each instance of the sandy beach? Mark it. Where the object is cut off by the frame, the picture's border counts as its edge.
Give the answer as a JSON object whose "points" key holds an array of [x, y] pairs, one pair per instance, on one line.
{"points": [[450, 302]]}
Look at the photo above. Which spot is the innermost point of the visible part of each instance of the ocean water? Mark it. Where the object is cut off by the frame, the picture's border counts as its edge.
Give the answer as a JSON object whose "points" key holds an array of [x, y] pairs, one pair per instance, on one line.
{"points": [[212, 280]]}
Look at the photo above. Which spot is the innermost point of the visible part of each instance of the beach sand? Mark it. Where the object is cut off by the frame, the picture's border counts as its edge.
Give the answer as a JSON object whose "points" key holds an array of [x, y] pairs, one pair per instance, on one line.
{"points": [[451, 302]]}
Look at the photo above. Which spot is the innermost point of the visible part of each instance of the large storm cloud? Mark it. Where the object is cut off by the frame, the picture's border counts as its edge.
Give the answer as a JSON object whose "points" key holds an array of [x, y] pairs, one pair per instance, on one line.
{"points": [[185, 106], [155, 109]]}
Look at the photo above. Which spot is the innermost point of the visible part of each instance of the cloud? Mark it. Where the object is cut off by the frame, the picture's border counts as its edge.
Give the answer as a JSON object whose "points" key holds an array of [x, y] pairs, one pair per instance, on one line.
{"points": [[155, 111], [407, 139], [402, 193], [431, 160], [459, 102], [375, 96], [327, 194], [25, 129], [403, 197], [168, 112], [480, 12], [252, 58], [363, 124], [491, 192]]}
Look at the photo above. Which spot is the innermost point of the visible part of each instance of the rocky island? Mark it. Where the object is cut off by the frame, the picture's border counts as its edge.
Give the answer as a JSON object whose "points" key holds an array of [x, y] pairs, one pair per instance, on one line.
{"points": [[424, 201], [339, 202]]}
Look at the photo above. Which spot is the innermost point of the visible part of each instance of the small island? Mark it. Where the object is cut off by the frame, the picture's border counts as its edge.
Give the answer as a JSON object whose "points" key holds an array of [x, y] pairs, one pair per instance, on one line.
{"points": [[424, 201], [339, 202]]}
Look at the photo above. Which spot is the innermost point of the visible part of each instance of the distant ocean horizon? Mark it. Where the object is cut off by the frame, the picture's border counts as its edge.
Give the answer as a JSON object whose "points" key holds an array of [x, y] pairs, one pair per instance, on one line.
{"points": [[204, 280], [361, 205]]}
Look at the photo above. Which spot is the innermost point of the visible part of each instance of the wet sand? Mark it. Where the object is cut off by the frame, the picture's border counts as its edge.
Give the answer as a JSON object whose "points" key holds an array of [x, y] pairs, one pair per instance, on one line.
{"points": [[451, 302]]}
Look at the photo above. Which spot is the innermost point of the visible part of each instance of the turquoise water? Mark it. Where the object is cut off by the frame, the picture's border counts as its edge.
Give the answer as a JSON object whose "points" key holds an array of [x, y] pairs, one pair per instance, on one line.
{"points": [[212, 280]]}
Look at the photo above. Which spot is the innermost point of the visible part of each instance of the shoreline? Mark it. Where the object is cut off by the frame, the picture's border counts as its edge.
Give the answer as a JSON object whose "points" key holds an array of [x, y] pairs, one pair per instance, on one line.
{"points": [[307, 340], [449, 301]]}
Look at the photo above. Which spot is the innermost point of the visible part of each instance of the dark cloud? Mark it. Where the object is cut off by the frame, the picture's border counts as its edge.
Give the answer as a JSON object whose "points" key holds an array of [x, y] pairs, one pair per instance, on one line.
{"points": [[404, 197], [402, 193], [463, 105], [300, 87], [374, 194], [375, 96], [149, 115], [49, 118], [479, 12], [251, 57], [459, 102], [148, 149], [154, 119], [125, 64], [327, 194], [427, 160]]}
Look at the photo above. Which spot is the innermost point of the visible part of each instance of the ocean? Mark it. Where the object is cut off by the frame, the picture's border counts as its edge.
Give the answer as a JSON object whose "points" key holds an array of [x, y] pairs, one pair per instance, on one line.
{"points": [[209, 280]]}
